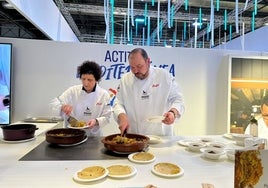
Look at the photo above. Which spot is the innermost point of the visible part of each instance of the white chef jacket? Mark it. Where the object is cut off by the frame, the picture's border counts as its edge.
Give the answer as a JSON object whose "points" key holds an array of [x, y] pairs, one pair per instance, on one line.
{"points": [[86, 106], [142, 99], [262, 129]]}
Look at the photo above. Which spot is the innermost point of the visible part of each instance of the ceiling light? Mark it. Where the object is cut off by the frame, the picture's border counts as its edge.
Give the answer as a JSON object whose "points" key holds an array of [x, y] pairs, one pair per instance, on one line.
{"points": [[140, 20], [197, 23]]}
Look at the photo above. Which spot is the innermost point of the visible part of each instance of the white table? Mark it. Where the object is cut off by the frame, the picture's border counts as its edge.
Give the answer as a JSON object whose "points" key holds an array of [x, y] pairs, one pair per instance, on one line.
{"points": [[14, 173]]}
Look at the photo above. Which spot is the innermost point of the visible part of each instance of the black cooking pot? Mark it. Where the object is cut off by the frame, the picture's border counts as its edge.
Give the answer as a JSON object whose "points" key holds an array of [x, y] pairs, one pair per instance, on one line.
{"points": [[18, 132], [65, 136]]}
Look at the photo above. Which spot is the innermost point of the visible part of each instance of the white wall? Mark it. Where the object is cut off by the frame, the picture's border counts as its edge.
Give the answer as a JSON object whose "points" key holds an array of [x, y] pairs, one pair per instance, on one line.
{"points": [[44, 69]]}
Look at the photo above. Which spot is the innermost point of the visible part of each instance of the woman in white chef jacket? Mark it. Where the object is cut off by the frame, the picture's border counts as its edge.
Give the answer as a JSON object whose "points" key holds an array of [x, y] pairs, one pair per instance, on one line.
{"points": [[86, 102], [145, 92]]}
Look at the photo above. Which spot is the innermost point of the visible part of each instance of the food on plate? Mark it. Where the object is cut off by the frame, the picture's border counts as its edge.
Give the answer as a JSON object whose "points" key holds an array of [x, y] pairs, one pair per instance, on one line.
{"points": [[79, 124], [206, 140], [217, 145], [143, 156], [196, 146], [150, 186], [248, 168], [61, 134], [167, 168], [123, 140], [91, 172], [119, 170], [213, 153]]}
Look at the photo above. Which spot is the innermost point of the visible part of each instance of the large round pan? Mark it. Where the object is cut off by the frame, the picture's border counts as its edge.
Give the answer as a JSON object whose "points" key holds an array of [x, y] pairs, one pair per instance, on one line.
{"points": [[18, 132], [65, 136], [140, 144]]}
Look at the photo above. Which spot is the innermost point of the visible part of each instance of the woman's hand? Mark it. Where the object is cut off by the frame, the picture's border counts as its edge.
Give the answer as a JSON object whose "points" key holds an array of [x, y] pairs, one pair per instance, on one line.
{"points": [[67, 109]]}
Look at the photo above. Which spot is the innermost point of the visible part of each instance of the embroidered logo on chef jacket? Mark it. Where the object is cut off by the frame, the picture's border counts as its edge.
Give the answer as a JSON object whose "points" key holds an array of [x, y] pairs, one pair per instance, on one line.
{"points": [[144, 95], [87, 112]]}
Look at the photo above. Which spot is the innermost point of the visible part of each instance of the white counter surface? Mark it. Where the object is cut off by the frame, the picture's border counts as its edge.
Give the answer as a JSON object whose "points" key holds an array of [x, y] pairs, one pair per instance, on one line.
{"points": [[197, 170]]}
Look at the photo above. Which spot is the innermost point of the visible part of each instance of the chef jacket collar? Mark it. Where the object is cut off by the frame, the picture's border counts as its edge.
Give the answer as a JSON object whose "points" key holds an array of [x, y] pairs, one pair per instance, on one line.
{"points": [[93, 90]]}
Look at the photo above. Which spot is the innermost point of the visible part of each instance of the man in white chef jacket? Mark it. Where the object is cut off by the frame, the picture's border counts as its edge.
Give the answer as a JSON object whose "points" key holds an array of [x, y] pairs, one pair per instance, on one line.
{"points": [[146, 92], [263, 121]]}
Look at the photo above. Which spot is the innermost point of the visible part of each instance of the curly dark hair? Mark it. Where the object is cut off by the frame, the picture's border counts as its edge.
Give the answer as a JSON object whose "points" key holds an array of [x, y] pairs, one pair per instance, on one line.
{"points": [[90, 67]]}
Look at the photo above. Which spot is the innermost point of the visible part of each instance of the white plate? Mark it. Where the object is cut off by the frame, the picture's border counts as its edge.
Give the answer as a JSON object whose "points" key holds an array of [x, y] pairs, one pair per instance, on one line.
{"points": [[68, 145], [133, 172], [130, 157], [155, 119], [122, 153], [17, 141], [76, 178], [186, 142], [228, 136], [168, 175], [206, 140], [71, 127], [154, 139]]}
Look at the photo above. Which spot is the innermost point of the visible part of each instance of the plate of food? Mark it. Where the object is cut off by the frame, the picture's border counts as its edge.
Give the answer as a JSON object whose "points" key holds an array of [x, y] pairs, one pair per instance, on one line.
{"points": [[78, 125], [91, 173], [155, 119], [141, 157], [168, 170], [121, 171], [212, 153], [186, 142]]}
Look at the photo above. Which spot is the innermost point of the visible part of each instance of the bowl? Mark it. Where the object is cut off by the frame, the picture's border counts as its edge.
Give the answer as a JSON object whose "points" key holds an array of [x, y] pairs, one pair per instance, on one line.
{"points": [[240, 138], [213, 153], [18, 132], [139, 144], [196, 146], [65, 136], [231, 154]]}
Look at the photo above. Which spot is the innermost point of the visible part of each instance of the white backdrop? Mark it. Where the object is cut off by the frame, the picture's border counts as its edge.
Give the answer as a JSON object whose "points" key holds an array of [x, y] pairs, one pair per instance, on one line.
{"points": [[44, 69]]}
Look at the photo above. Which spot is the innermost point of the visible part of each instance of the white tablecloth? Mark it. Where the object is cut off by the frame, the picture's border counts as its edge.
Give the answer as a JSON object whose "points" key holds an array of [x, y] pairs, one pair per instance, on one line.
{"points": [[197, 169]]}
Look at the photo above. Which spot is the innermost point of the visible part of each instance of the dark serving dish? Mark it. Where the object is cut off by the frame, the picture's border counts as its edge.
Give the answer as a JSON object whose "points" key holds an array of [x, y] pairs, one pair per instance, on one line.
{"points": [[140, 144], [18, 132], [65, 136]]}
